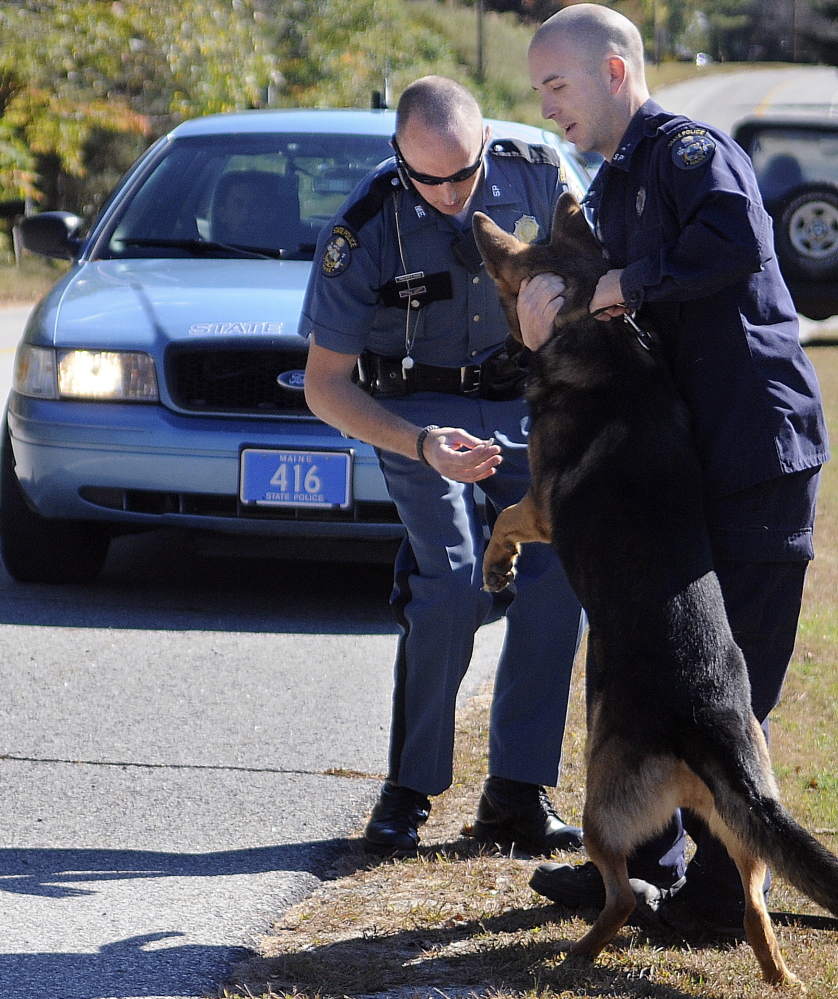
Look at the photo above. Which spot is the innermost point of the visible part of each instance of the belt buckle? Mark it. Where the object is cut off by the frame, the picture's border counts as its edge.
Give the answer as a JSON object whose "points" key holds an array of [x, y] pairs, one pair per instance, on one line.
{"points": [[470, 379]]}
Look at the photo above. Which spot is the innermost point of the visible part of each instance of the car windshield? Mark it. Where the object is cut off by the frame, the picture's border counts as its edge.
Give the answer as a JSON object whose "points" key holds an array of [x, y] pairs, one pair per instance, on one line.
{"points": [[242, 195], [785, 158]]}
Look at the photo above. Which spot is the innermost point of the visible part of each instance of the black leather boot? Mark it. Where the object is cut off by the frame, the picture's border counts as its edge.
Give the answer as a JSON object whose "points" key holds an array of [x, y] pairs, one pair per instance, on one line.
{"points": [[393, 827], [511, 811]]}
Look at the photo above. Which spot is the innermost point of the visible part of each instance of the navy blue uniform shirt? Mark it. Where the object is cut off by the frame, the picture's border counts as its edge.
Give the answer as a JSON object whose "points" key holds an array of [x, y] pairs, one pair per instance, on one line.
{"points": [[679, 209], [358, 298]]}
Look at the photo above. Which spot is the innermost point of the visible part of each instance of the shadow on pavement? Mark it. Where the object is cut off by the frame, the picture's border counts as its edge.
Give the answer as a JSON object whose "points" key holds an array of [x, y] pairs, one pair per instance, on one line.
{"points": [[58, 873], [154, 964], [159, 581], [133, 967]]}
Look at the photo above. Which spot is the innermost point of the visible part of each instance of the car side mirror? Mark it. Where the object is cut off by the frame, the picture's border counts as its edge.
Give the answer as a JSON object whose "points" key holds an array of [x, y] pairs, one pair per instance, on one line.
{"points": [[52, 234]]}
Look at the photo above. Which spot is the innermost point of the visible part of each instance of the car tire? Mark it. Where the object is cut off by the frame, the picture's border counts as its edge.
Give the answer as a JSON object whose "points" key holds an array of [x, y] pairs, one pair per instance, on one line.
{"points": [[38, 549], [807, 232]]}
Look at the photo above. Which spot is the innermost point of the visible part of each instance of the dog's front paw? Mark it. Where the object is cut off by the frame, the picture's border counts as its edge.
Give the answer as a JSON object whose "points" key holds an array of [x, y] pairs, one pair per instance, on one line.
{"points": [[498, 575], [494, 583], [499, 563]]}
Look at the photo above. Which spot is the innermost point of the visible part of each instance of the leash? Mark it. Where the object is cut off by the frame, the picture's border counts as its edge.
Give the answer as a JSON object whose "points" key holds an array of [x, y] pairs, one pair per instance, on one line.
{"points": [[643, 337]]}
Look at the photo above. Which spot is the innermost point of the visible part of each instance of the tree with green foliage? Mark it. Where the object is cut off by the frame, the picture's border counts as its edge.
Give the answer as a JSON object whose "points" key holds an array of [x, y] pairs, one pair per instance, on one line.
{"points": [[73, 71], [729, 24], [88, 83], [339, 51]]}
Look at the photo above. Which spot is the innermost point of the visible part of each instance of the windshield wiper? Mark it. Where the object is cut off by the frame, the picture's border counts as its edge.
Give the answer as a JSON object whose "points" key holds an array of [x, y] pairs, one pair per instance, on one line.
{"points": [[199, 246]]}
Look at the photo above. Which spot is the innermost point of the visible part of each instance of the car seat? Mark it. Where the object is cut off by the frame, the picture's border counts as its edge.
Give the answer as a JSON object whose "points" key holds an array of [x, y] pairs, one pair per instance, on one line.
{"points": [[256, 208]]}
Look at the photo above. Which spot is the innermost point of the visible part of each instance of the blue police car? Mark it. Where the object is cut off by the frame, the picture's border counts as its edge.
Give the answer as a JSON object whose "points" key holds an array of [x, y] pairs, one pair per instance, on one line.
{"points": [[160, 382]]}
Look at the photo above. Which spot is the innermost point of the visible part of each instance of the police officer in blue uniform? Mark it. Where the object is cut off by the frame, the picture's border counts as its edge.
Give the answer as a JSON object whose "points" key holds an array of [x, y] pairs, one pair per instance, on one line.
{"points": [[407, 352], [677, 210]]}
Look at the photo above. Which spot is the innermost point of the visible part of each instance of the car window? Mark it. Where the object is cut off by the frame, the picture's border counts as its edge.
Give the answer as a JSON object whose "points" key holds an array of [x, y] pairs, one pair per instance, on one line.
{"points": [[267, 193], [785, 158]]}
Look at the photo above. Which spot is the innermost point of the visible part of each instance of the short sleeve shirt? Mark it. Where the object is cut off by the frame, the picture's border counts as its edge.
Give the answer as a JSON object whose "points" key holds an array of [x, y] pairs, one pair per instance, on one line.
{"points": [[391, 272]]}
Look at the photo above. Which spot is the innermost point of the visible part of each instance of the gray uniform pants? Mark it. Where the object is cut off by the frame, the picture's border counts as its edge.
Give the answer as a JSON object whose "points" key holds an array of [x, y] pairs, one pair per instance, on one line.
{"points": [[439, 602]]}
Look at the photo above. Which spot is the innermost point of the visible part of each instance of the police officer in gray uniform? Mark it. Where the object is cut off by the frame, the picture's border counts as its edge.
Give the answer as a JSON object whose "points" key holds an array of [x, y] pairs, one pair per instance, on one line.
{"points": [[407, 352]]}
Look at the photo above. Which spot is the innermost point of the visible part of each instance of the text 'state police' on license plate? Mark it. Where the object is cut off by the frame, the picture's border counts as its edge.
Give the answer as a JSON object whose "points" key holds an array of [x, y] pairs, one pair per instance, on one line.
{"points": [[296, 478]]}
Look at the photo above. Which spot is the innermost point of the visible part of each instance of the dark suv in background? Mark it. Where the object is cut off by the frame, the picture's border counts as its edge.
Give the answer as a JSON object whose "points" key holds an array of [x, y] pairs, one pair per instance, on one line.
{"points": [[795, 157]]}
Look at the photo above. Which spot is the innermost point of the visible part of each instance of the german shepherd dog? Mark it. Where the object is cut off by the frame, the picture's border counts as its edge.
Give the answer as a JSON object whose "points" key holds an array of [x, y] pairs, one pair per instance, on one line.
{"points": [[616, 489]]}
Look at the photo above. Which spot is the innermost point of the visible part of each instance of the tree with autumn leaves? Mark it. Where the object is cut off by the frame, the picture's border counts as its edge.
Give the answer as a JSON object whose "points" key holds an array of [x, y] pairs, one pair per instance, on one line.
{"points": [[85, 85]]}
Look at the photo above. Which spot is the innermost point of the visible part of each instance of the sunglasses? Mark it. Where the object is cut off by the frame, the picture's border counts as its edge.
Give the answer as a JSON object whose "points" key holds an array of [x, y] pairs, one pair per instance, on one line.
{"points": [[429, 179]]}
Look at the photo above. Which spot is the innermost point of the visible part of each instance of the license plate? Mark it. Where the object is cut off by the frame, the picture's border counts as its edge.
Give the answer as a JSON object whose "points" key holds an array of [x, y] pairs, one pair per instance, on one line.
{"points": [[296, 478]]}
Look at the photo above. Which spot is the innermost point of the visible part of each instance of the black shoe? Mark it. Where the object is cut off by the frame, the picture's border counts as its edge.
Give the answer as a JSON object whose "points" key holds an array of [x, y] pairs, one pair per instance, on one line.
{"points": [[393, 827], [575, 886], [579, 886], [511, 812], [666, 911]]}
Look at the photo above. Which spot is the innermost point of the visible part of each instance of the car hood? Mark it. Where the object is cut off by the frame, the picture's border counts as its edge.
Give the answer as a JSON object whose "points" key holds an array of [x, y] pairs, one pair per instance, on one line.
{"points": [[146, 304]]}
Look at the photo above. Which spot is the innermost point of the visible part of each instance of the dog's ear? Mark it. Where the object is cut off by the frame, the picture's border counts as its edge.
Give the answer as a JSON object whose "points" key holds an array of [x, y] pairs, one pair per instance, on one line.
{"points": [[571, 226], [496, 246], [499, 250]]}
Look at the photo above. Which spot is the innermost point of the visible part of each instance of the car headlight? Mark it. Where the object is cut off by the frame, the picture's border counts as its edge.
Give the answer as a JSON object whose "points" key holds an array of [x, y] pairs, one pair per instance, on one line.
{"points": [[108, 375]]}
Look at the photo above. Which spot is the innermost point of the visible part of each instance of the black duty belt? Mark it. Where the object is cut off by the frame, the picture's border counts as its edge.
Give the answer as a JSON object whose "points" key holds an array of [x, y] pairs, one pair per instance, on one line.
{"points": [[497, 378]]}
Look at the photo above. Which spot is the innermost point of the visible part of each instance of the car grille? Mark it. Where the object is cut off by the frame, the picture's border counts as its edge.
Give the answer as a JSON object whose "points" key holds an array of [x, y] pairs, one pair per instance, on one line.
{"points": [[235, 380], [153, 501]]}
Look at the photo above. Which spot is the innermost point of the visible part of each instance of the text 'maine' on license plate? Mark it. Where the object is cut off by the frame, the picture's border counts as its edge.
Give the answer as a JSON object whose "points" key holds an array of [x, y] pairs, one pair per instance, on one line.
{"points": [[296, 478]]}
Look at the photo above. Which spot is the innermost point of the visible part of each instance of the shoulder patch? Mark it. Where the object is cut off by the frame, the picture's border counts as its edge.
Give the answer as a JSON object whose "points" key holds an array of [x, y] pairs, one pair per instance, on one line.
{"points": [[337, 255], [515, 148], [691, 147], [370, 204]]}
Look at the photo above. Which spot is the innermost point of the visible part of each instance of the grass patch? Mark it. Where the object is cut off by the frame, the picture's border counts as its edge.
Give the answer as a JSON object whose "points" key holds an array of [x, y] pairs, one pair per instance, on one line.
{"points": [[457, 923], [804, 738]]}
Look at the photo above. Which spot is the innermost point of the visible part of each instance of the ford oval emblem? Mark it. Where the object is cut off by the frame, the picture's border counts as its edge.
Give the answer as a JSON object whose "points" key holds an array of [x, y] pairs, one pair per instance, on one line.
{"points": [[294, 380]]}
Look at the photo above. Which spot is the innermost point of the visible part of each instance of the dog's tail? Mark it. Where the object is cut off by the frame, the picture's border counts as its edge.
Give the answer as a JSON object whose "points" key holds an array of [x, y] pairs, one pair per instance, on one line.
{"points": [[745, 797], [795, 854]]}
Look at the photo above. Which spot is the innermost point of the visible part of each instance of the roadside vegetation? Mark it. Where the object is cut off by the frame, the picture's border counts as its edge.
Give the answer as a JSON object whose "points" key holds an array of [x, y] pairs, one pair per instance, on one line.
{"points": [[505, 90], [69, 128], [85, 85], [28, 282], [457, 923]]}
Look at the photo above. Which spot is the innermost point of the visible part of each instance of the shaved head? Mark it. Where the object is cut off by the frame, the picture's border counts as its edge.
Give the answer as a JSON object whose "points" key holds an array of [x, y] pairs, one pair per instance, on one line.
{"points": [[586, 62], [596, 32], [439, 142], [438, 104]]}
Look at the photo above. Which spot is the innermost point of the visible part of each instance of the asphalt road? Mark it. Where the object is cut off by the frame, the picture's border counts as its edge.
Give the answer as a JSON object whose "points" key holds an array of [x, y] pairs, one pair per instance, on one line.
{"points": [[166, 742], [721, 99]]}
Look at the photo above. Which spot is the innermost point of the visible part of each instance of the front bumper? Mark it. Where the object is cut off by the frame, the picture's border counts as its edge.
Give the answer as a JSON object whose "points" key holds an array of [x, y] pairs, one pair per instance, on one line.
{"points": [[140, 466]]}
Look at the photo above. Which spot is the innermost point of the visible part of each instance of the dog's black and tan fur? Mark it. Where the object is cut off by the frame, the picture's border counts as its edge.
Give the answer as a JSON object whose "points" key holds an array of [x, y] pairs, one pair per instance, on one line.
{"points": [[616, 490]]}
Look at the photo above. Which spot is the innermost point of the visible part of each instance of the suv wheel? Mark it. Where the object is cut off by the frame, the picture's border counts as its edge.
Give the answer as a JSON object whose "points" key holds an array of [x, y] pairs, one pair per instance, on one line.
{"points": [[807, 232], [38, 549]]}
